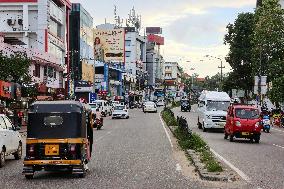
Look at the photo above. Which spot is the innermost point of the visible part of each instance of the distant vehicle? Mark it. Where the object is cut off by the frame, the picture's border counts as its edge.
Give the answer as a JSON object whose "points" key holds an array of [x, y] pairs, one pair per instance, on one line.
{"points": [[243, 121], [212, 110], [150, 107], [105, 107], [10, 140], [120, 111], [185, 105], [160, 102]]}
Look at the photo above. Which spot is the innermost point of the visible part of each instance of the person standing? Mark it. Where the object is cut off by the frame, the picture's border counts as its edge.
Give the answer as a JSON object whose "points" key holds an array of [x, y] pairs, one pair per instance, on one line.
{"points": [[20, 118]]}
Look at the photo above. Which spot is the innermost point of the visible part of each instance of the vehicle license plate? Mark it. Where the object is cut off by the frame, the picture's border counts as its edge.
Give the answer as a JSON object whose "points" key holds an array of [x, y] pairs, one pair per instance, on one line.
{"points": [[51, 150], [245, 133]]}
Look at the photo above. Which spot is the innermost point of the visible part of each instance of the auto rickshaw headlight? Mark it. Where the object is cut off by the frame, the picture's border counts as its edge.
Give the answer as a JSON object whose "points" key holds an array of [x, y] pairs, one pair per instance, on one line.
{"points": [[256, 125], [238, 124]]}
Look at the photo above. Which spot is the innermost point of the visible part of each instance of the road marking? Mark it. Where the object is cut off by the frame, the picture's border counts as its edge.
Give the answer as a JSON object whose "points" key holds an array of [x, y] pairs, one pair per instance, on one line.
{"points": [[178, 167], [102, 136], [242, 174], [193, 111], [168, 136], [277, 130], [278, 146]]}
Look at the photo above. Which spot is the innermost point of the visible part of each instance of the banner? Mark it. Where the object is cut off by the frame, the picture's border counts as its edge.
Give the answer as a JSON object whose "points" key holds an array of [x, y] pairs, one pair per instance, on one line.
{"points": [[109, 45]]}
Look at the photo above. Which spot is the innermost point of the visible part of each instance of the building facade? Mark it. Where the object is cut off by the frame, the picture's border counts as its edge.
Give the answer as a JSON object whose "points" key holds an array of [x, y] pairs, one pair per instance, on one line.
{"points": [[43, 26], [172, 78], [81, 46]]}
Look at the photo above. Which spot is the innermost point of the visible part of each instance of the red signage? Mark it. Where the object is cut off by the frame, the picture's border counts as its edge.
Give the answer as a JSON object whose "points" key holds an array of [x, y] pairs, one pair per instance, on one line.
{"points": [[5, 89], [156, 39]]}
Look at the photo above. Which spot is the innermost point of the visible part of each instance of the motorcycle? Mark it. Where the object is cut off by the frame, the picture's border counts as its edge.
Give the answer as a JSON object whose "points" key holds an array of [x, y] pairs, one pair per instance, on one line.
{"points": [[98, 123], [277, 120], [266, 123]]}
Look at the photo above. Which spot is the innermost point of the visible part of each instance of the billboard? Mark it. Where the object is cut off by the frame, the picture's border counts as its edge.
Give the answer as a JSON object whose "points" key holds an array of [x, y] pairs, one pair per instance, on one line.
{"points": [[156, 39], [87, 71], [109, 45], [153, 30]]}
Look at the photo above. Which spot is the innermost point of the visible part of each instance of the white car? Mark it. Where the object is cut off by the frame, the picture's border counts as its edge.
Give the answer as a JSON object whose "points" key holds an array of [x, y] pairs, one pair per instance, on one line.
{"points": [[10, 140], [160, 103], [120, 112], [104, 106], [150, 107]]}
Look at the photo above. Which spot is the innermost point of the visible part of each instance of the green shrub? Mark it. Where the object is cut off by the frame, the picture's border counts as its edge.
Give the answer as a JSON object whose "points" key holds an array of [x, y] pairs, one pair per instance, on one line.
{"points": [[169, 118]]}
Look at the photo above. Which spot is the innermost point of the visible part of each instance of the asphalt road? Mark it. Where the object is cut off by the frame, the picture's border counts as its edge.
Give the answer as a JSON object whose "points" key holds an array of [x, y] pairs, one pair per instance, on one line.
{"points": [[134, 153], [262, 164]]}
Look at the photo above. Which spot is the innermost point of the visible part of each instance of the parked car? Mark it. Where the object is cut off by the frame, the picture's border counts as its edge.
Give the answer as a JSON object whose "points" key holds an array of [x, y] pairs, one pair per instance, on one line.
{"points": [[10, 140], [212, 110], [120, 111], [150, 107], [160, 102], [243, 121]]}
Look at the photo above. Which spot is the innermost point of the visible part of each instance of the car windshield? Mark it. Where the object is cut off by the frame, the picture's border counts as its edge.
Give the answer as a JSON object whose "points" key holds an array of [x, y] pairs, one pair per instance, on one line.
{"points": [[217, 105], [247, 113], [150, 103], [184, 102], [93, 106], [119, 108]]}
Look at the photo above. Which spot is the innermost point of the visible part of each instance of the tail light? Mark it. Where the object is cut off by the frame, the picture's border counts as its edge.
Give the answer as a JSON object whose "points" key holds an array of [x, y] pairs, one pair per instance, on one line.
{"points": [[31, 150], [238, 124]]}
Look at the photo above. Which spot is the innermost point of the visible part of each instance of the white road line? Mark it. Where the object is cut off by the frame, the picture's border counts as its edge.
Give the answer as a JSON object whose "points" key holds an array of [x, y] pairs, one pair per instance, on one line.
{"points": [[242, 174], [278, 146], [277, 130], [193, 111], [168, 136], [178, 167], [102, 136]]}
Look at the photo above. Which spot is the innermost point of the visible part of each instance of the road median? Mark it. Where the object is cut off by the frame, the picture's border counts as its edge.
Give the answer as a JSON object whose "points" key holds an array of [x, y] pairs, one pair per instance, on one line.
{"points": [[197, 150]]}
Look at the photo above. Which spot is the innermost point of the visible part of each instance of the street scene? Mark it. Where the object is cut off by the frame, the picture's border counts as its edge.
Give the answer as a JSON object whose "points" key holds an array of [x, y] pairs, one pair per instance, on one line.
{"points": [[142, 94]]}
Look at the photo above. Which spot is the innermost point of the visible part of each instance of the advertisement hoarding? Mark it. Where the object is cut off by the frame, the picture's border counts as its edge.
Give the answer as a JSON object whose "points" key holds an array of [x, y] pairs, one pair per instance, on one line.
{"points": [[153, 30], [156, 39], [109, 45]]}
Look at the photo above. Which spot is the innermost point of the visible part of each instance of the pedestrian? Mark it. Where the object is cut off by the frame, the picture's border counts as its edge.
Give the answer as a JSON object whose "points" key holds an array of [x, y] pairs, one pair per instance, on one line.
{"points": [[20, 118]]}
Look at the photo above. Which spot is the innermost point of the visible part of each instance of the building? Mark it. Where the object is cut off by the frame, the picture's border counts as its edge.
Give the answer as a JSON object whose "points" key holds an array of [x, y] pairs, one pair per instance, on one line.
{"points": [[172, 78], [81, 47], [135, 58], [41, 26], [155, 60]]}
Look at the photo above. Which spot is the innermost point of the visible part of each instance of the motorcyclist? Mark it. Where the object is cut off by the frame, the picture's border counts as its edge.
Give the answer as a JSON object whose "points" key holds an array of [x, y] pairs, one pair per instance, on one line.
{"points": [[99, 115]]}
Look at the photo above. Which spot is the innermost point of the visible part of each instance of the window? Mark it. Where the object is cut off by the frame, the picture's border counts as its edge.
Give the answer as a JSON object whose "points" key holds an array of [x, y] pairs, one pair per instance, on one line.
{"points": [[52, 121], [54, 75], [45, 71], [2, 123], [127, 42], [37, 70], [127, 53]]}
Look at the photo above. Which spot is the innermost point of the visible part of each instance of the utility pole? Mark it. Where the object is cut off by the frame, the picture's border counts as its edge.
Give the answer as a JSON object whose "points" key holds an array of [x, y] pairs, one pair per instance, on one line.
{"points": [[221, 67]]}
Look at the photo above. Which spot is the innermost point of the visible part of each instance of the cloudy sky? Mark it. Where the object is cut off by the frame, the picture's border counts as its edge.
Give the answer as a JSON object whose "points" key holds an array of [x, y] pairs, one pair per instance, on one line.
{"points": [[192, 28]]}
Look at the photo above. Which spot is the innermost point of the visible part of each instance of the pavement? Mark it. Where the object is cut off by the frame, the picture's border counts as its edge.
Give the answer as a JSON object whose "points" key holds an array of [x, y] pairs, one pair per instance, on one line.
{"points": [[259, 164]]}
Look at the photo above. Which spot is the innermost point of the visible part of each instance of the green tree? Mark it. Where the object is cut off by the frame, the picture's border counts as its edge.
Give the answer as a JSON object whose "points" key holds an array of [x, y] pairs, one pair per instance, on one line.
{"points": [[16, 66], [240, 57], [269, 45]]}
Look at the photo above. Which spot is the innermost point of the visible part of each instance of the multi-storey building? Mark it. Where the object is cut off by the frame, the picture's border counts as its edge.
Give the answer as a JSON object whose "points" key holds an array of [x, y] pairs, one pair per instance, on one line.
{"points": [[172, 77], [81, 46], [42, 25]]}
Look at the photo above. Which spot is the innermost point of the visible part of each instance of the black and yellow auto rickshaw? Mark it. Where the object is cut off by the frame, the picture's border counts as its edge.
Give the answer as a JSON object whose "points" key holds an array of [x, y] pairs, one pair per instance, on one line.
{"points": [[59, 137]]}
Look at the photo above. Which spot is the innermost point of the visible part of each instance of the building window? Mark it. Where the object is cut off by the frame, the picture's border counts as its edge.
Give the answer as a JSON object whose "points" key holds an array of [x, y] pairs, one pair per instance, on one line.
{"points": [[127, 53], [127, 42], [45, 71], [54, 75], [37, 70]]}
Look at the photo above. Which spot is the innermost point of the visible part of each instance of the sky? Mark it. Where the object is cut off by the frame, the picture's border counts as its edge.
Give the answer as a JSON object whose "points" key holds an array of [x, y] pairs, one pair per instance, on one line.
{"points": [[192, 28]]}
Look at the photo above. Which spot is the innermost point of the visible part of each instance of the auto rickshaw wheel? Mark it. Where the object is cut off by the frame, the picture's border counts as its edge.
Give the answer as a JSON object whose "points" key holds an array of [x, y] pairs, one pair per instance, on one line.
{"points": [[18, 154], [2, 158], [231, 138], [226, 136]]}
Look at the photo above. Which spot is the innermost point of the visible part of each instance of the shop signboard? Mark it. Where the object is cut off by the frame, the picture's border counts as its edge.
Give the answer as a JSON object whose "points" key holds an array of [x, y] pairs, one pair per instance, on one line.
{"points": [[92, 97], [5, 89]]}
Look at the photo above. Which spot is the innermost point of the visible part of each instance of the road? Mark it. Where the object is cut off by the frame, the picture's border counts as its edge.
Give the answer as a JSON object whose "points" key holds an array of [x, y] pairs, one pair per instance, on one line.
{"points": [[134, 153], [262, 163]]}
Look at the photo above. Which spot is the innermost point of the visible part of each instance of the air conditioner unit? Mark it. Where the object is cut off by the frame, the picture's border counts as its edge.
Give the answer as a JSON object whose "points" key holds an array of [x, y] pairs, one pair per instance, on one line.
{"points": [[11, 22]]}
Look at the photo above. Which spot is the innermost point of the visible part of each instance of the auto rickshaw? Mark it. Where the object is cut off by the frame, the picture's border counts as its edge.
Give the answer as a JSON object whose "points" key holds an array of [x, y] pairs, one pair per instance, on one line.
{"points": [[59, 137], [185, 105]]}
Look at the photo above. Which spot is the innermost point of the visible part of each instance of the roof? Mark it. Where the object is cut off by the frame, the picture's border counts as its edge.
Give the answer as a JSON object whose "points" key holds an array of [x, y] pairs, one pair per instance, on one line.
{"points": [[215, 95], [244, 106], [59, 102], [65, 106]]}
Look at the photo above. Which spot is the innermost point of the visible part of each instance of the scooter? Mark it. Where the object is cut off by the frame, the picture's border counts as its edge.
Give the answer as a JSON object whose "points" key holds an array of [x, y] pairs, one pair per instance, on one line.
{"points": [[98, 123], [266, 124], [277, 120]]}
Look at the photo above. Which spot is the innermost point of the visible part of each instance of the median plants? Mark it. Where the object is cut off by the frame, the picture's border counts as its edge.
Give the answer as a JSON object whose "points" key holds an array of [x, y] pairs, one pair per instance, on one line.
{"points": [[169, 117]]}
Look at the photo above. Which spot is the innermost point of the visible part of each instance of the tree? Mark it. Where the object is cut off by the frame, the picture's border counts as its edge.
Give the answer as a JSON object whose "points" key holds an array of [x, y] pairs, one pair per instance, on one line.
{"points": [[16, 66], [269, 45], [240, 57], [269, 40]]}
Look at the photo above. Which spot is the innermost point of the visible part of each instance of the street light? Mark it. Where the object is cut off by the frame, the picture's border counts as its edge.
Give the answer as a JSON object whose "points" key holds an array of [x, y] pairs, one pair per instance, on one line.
{"points": [[220, 67]]}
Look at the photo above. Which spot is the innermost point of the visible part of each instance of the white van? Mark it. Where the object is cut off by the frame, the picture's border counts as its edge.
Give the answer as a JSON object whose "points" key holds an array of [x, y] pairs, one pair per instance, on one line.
{"points": [[212, 110], [104, 106]]}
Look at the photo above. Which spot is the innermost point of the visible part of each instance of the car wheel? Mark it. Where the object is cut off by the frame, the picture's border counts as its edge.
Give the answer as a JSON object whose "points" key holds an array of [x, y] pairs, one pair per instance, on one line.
{"points": [[203, 128], [256, 139], [199, 124], [127, 117], [29, 176], [2, 158], [231, 138], [112, 118], [18, 154], [226, 136]]}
